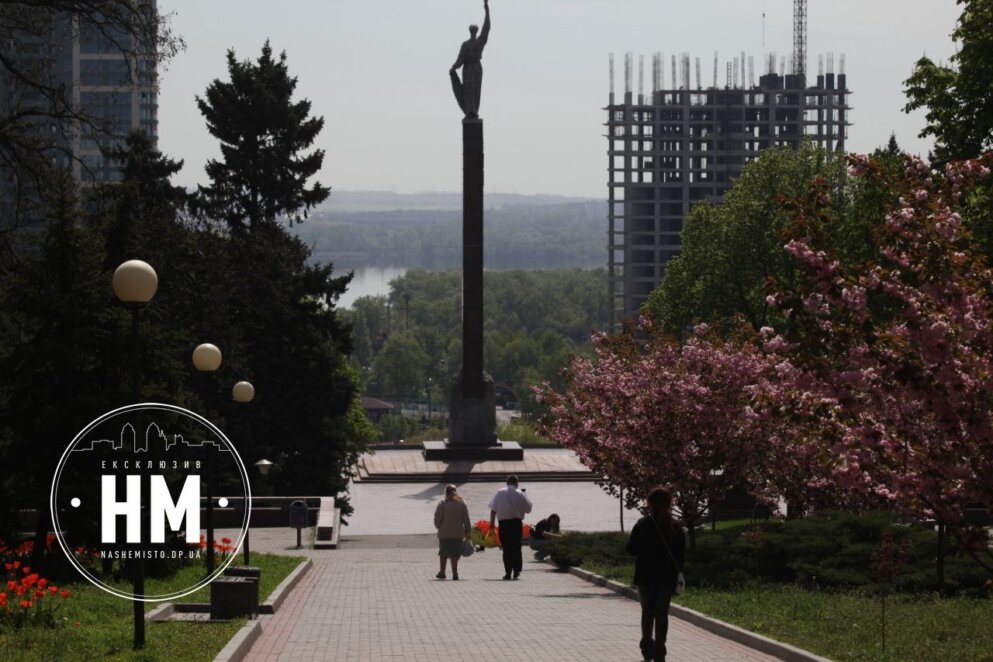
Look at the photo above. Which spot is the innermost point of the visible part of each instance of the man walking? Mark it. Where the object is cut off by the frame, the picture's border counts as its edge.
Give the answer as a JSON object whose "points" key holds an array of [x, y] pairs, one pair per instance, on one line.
{"points": [[509, 505]]}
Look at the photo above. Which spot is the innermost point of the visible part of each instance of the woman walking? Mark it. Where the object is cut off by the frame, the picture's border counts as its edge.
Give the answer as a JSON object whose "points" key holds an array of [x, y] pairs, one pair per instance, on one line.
{"points": [[451, 518], [659, 545]]}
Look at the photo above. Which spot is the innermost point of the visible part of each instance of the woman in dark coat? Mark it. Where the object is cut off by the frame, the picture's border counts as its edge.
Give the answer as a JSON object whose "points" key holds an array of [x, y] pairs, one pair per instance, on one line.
{"points": [[659, 545]]}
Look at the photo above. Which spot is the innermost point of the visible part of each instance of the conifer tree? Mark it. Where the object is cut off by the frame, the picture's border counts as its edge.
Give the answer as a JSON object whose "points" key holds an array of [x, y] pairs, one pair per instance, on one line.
{"points": [[265, 136]]}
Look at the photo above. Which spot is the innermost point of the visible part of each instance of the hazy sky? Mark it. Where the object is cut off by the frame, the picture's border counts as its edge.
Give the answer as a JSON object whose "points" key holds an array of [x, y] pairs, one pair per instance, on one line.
{"points": [[377, 70]]}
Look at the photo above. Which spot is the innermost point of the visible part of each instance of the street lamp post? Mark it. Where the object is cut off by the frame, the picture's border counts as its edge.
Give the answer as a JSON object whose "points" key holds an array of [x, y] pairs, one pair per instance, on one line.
{"points": [[429, 385], [244, 392], [207, 359], [135, 283], [263, 466]]}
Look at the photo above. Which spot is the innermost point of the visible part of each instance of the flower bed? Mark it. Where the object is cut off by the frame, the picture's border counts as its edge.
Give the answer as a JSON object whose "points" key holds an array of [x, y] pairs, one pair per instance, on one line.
{"points": [[482, 527], [27, 598]]}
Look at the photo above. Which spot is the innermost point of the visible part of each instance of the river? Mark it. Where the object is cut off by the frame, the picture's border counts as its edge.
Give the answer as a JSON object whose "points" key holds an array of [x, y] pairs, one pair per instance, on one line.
{"points": [[370, 280]]}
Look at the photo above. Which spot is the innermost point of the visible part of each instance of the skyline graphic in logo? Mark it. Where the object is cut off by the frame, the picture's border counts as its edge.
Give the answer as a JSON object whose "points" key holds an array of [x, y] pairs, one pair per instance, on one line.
{"points": [[152, 432]]}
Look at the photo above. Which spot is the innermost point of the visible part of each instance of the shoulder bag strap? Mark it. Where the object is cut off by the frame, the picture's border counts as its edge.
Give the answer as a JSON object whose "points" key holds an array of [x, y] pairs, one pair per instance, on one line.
{"points": [[662, 538]]}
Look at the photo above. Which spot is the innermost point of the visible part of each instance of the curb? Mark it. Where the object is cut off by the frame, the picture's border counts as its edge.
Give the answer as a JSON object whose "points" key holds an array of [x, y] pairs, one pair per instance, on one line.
{"points": [[733, 632], [281, 592], [240, 643], [161, 613]]}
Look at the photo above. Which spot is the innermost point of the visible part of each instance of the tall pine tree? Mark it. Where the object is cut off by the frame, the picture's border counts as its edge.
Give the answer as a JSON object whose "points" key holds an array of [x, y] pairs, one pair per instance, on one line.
{"points": [[265, 137], [279, 324]]}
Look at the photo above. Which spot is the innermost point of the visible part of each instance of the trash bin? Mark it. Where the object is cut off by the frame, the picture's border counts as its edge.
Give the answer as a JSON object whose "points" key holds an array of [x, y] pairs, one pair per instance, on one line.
{"points": [[251, 572], [231, 597]]}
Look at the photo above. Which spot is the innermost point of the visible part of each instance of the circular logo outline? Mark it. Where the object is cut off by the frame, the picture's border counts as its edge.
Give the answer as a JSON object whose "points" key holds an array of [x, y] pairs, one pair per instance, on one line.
{"points": [[246, 514]]}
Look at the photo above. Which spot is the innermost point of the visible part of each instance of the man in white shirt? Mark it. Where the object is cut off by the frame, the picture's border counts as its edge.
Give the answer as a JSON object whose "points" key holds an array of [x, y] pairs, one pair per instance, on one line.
{"points": [[509, 505]]}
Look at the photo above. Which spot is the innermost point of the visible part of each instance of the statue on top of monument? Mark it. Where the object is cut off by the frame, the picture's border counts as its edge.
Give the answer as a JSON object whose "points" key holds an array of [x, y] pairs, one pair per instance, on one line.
{"points": [[467, 91]]}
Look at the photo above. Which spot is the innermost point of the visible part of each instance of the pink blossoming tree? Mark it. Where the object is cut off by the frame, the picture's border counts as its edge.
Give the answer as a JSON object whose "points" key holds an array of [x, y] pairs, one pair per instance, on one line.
{"points": [[661, 414], [891, 364]]}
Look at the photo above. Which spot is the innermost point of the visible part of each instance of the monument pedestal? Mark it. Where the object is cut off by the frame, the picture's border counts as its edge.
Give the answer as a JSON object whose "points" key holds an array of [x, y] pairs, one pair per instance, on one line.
{"points": [[509, 451]]}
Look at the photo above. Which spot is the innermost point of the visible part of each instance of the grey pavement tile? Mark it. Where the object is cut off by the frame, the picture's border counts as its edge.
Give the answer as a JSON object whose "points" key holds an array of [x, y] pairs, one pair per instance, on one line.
{"points": [[372, 602]]}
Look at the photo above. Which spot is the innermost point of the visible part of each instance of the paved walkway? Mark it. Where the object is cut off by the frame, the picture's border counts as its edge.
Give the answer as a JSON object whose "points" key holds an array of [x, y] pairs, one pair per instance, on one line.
{"points": [[376, 598]]}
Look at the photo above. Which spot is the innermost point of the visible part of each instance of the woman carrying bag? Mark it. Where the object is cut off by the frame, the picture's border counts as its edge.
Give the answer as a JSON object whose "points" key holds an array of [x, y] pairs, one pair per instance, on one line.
{"points": [[659, 545], [451, 518]]}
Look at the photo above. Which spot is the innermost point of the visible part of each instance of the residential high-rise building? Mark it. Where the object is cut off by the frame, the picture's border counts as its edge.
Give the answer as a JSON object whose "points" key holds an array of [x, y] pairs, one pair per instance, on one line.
{"points": [[683, 143], [80, 85], [117, 88]]}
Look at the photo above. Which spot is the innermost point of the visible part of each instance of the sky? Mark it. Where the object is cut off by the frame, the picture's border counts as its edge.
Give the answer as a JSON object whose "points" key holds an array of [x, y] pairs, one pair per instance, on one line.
{"points": [[377, 71]]}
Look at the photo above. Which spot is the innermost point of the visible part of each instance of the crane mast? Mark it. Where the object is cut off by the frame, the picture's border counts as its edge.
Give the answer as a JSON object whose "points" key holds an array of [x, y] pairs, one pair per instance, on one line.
{"points": [[800, 37]]}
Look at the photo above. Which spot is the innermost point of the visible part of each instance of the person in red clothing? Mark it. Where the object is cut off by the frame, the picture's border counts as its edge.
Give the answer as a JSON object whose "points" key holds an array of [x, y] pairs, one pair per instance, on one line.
{"points": [[659, 545]]}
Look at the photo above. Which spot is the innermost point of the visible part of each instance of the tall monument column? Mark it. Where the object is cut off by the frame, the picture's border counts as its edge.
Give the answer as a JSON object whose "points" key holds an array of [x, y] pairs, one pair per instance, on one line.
{"points": [[472, 258], [472, 418], [472, 412]]}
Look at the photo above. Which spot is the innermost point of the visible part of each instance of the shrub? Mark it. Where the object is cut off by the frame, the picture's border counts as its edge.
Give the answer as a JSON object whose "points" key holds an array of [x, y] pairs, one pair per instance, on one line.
{"points": [[830, 550], [577, 549]]}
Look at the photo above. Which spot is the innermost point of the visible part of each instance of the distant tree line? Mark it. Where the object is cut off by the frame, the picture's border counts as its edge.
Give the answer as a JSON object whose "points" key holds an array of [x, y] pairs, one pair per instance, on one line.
{"points": [[517, 236], [410, 341]]}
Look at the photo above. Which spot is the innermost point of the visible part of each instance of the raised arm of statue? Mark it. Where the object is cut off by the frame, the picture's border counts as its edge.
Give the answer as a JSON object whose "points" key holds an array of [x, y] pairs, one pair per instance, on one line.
{"points": [[484, 34]]}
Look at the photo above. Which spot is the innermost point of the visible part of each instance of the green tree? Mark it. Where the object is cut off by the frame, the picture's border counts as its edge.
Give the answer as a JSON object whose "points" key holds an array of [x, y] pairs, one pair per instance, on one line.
{"points": [[892, 147], [958, 96], [265, 137], [401, 366], [141, 211], [271, 307], [731, 250], [61, 362], [534, 320]]}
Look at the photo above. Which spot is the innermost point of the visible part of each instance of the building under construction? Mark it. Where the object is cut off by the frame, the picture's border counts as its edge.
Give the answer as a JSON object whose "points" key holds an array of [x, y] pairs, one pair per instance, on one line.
{"points": [[681, 143]]}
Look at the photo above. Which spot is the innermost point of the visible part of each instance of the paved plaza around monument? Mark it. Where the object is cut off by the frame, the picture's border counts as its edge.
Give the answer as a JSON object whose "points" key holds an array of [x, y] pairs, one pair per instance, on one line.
{"points": [[376, 598], [407, 508]]}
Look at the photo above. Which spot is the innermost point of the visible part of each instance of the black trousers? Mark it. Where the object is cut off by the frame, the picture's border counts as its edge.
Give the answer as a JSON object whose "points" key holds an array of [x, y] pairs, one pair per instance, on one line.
{"points": [[510, 539], [655, 602]]}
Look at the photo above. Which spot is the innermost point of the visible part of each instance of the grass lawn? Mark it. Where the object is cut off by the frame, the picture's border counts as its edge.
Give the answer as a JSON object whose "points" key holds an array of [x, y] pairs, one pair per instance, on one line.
{"points": [[845, 625], [105, 625]]}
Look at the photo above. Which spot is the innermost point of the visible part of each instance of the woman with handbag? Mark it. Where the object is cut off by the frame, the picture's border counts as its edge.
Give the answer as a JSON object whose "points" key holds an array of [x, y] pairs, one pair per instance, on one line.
{"points": [[659, 545], [451, 518]]}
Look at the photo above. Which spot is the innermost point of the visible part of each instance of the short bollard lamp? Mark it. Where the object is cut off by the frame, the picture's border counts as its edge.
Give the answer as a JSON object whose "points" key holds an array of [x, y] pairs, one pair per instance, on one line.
{"points": [[135, 283], [207, 359]]}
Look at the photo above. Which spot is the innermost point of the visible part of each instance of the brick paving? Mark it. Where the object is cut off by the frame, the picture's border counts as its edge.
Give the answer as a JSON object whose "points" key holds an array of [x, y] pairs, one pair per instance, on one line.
{"points": [[376, 598]]}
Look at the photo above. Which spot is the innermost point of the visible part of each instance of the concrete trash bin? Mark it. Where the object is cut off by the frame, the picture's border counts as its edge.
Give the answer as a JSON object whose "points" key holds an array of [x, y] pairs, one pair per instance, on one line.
{"points": [[251, 572], [231, 597]]}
